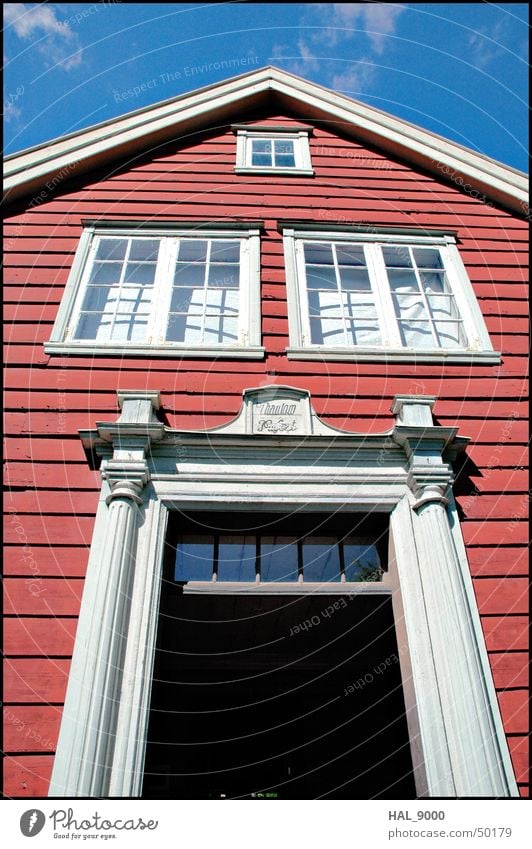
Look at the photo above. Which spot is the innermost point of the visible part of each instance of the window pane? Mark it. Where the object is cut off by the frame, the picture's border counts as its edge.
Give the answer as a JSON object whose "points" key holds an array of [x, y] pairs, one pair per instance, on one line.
{"points": [[182, 328], [95, 326], [129, 328], [397, 256], [222, 301], [224, 275], [236, 558], [285, 160], [278, 558], [264, 159], [111, 249], [221, 330], [327, 332], [318, 254], [434, 282], [355, 279], [144, 249], [132, 300], [324, 304], [428, 258], [350, 255], [141, 273], [442, 306], [192, 250], [451, 334], [187, 300], [97, 298], [284, 146], [410, 306], [194, 558], [359, 306], [403, 281], [225, 252], [106, 272], [416, 335], [363, 333], [361, 561], [261, 145], [321, 559], [189, 275], [321, 277]]}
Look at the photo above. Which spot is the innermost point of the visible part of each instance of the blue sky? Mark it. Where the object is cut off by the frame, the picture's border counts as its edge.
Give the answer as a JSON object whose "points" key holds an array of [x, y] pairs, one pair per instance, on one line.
{"points": [[460, 70]]}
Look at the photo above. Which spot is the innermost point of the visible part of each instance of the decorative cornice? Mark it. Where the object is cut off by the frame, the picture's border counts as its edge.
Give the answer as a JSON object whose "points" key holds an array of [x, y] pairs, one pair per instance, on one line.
{"points": [[130, 438]]}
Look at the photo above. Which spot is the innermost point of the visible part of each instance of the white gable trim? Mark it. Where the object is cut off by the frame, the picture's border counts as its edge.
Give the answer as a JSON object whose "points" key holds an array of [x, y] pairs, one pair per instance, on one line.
{"points": [[213, 105]]}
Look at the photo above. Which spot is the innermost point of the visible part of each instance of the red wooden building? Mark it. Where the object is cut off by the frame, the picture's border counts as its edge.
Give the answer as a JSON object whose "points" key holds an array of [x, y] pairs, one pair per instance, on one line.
{"points": [[265, 421]]}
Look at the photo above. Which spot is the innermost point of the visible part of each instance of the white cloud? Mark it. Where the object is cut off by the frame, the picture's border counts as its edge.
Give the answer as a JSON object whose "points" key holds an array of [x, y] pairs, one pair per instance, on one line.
{"points": [[344, 21], [361, 27], [11, 112], [355, 78], [486, 44], [54, 38]]}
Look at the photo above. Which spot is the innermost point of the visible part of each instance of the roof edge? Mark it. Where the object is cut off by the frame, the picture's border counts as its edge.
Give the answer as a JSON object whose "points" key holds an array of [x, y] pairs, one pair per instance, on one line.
{"points": [[76, 153]]}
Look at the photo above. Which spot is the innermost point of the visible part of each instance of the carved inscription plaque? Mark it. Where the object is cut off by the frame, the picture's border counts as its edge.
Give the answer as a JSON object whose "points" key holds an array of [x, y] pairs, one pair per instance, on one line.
{"points": [[281, 413]]}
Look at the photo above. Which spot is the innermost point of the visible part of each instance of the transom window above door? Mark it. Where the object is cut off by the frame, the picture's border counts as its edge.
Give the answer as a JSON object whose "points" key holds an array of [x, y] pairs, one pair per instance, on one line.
{"points": [[261, 557], [262, 548], [195, 292]]}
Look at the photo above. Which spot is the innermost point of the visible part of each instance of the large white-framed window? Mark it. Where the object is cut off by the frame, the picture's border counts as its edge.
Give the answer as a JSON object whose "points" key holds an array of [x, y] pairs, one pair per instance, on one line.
{"points": [[143, 290], [381, 296], [273, 150]]}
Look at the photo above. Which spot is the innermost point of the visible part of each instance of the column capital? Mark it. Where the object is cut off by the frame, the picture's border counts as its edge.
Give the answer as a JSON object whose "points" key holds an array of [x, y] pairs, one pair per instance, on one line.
{"points": [[429, 488], [126, 479]]}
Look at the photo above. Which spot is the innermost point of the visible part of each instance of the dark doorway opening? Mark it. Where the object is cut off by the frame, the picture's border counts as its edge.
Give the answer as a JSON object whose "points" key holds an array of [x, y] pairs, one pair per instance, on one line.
{"points": [[277, 696]]}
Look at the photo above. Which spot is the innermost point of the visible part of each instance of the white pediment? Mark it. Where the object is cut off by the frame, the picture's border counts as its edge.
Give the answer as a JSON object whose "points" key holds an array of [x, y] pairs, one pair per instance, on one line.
{"points": [[278, 411]]}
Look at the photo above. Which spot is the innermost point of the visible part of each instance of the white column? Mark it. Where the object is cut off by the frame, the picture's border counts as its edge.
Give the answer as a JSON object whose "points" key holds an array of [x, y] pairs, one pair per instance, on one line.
{"points": [[473, 753], [112, 619], [85, 750]]}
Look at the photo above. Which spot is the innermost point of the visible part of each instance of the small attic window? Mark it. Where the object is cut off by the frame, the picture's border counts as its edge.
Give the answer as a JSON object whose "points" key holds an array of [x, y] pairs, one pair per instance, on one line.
{"points": [[268, 150]]}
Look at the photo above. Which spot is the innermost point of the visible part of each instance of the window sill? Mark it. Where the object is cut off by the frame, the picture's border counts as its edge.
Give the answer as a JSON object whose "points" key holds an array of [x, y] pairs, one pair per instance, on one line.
{"points": [[287, 588], [395, 355], [86, 349], [287, 172]]}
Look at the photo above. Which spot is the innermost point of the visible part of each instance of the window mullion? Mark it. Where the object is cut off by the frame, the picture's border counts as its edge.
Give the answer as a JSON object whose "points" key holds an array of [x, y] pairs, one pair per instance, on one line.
{"points": [[245, 317], [120, 283], [424, 299], [339, 291], [205, 282], [463, 306], [391, 336], [303, 292], [84, 281], [162, 288]]}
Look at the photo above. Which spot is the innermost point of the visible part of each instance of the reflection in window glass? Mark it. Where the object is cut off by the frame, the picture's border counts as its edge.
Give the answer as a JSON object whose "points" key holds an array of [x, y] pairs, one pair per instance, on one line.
{"points": [[241, 557], [236, 558], [321, 559], [361, 561], [278, 559], [194, 558]]}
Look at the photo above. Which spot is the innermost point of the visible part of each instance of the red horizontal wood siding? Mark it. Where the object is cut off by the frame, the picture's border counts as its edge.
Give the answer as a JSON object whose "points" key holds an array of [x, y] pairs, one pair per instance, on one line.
{"points": [[52, 494]]}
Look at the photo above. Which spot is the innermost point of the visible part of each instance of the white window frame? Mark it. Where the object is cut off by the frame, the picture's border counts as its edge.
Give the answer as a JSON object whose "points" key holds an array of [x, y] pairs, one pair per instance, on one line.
{"points": [[479, 347], [249, 345], [303, 165]]}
